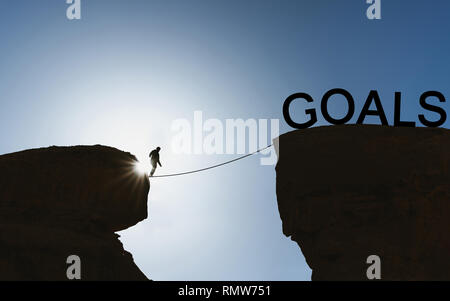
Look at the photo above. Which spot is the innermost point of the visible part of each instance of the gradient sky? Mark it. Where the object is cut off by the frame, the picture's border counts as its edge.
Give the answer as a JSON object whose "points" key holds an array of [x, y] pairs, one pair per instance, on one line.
{"points": [[128, 68]]}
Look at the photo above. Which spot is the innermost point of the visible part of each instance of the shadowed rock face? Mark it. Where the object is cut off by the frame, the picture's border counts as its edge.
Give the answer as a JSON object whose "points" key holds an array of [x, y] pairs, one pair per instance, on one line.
{"points": [[63, 201], [347, 192]]}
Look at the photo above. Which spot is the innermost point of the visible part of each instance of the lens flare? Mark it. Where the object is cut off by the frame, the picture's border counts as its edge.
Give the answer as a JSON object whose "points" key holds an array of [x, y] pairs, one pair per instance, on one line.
{"points": [[140, 168]]}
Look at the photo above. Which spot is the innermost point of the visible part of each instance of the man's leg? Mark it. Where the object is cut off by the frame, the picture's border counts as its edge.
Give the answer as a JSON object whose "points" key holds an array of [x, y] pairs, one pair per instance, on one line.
{"points": [[153, 171]]}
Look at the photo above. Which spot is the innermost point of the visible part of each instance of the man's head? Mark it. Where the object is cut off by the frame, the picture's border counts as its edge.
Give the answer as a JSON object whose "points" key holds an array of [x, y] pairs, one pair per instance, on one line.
{"points": [[158, 149]]}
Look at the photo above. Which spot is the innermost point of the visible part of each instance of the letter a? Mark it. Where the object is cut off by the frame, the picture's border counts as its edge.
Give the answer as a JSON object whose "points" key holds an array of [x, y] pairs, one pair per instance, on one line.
{"points": [[374, 271], [374, 11], [74, 271], [74, 10]]}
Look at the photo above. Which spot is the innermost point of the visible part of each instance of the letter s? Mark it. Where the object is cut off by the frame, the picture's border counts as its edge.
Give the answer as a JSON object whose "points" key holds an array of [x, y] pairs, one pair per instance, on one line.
{"points": [[432, 108], [311, 112]]}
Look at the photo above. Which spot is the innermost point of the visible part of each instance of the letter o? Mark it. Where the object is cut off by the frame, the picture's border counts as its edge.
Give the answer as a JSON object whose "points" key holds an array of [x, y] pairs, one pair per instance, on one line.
{"points": [[351, 106]]}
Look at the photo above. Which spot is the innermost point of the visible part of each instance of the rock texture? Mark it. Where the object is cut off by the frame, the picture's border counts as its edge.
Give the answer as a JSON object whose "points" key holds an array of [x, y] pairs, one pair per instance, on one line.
{"points": [[347, 192], [63, 201]]}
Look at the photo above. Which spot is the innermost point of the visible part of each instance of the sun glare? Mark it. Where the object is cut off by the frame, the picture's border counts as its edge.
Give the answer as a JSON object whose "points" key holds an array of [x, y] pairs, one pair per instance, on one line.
{"points": [[140, 168]]}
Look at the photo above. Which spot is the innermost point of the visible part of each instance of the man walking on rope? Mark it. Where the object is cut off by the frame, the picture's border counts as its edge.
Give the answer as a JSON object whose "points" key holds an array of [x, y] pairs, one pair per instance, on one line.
{"points": [[154, 159]]}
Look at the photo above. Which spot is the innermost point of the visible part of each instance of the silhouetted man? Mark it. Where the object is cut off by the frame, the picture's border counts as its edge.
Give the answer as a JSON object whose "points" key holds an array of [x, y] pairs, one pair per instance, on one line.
{"points": [[154, 159]]}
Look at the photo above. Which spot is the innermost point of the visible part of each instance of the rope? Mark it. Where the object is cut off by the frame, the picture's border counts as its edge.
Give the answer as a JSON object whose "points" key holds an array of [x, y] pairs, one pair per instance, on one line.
{"points": [[211, 167]]}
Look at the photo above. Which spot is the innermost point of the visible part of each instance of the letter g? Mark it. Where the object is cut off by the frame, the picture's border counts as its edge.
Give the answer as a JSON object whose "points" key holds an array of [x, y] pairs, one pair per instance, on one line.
{"points": [[311, 112]]}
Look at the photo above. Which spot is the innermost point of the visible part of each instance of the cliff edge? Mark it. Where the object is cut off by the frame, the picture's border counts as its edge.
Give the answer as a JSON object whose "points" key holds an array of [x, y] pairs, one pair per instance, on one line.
{"points": [[62, 201], [348, 192]]}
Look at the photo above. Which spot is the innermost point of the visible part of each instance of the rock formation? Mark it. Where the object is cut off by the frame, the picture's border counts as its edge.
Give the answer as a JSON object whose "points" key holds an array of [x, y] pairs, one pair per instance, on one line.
{"points": [[348, 192], [63, 201]]}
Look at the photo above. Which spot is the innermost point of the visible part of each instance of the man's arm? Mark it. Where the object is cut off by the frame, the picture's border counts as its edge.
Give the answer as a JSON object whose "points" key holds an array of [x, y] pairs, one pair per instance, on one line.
{"points": [[159, 164]]}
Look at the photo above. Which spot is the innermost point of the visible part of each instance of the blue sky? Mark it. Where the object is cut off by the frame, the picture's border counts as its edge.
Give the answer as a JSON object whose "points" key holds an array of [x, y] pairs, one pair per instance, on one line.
{"points": [[128, 68]]}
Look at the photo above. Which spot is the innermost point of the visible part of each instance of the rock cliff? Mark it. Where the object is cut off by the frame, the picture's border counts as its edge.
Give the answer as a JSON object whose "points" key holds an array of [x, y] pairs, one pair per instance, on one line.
{"points": [[347, 192], [62, 201]]}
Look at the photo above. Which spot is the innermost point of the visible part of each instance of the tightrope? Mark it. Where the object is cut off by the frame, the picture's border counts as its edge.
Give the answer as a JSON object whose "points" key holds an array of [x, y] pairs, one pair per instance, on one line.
{"points": [[211, 167]]}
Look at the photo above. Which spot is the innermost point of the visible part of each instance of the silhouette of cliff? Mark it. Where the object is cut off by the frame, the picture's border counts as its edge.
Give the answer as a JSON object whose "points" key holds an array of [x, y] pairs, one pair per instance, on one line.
{"points": [[62, 201], [347, 192]]}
